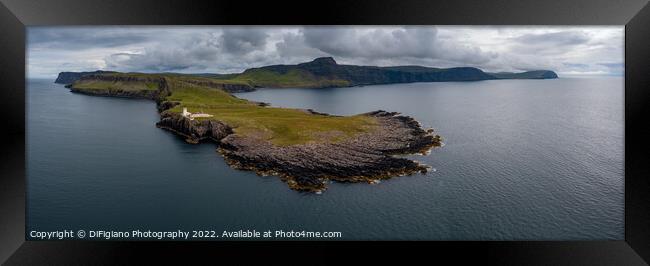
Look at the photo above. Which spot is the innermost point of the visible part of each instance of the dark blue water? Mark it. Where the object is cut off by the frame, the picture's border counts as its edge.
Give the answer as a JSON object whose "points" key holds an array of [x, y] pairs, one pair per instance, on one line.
{"points": [[523, 159]]}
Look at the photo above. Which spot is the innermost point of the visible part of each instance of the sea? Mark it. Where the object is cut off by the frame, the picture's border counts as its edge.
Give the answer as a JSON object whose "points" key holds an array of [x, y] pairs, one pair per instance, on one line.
{"points": [[522, 160]]}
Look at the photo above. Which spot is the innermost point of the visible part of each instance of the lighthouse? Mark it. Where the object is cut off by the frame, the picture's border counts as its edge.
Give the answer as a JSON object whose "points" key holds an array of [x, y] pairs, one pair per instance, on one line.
{"points": [[191, 116]]}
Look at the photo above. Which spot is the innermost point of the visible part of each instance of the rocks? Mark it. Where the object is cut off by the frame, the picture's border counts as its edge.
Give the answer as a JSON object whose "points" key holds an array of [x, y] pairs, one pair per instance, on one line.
{"points": [[364, 158], [311, 111], [166, 105], [308, 167], [143, 94], [124, 78], [70, 77], [194, 130], [232, 88], [161, 91]]}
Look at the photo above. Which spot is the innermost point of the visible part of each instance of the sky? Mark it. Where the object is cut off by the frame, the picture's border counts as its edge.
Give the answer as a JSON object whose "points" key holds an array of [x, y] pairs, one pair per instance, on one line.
{"points": [[567, 50]]}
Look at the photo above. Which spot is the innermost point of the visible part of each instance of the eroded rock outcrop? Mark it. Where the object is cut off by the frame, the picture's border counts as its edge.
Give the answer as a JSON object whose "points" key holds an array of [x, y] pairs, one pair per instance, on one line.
{"points": [[70, 77], [232, 88], [142, 94], [194, 131], [367, 157], [158, 94]]}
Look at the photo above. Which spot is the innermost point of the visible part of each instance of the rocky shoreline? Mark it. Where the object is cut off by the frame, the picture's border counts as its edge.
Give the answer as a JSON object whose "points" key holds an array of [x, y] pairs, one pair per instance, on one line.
{"points": [[158, 94], [151, 95], [368, 157]]}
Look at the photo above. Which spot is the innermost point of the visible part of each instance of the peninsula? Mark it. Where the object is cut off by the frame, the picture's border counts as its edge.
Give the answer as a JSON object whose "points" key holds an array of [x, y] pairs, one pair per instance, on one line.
{"points": [[305, 148], [326, 72]]}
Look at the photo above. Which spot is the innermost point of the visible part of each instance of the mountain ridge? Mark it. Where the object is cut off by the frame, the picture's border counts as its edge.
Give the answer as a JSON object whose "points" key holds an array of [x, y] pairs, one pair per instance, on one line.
{"points": [[325, 72]]}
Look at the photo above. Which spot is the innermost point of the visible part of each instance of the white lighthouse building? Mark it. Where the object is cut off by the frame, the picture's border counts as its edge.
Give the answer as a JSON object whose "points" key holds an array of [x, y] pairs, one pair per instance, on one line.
{"points": [[191, 116]]}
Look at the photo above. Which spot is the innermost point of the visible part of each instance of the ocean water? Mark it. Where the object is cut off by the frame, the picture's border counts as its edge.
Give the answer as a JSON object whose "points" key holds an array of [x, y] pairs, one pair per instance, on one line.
{"points": [[522, 160]]}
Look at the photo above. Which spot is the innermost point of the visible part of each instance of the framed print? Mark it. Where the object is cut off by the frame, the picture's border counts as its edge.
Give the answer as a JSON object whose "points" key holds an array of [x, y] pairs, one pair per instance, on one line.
{"points": [[510, 130]]}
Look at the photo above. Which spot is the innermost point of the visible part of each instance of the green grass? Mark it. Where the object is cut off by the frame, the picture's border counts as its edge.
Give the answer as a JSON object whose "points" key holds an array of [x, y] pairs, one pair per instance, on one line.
{"points": [[121, 85], [293, 78], [281, 126], [223, 79]]}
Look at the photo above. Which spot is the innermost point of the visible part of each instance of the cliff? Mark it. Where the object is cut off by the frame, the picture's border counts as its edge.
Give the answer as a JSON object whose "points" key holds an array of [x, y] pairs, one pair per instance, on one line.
{"points": [[70, 77], [153, 88], [305, 148], [194, 131], [308, 167], [536, 74], [326, 72]]}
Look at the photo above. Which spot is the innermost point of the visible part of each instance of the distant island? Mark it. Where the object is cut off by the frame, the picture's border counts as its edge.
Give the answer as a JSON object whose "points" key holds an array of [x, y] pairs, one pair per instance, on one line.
{"points": [[304, 147], [325, 72]]}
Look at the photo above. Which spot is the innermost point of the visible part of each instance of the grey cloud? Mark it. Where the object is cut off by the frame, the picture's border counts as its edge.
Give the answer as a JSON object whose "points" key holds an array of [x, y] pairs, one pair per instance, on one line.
{"points": [[612, 65], [614, 68], [555, 38], [576, 65], [550, 44], [372, 43], [195, 52], [82, 38], [148, 62], [395, 43], [293, 45], [233, 49], [198, 52], [243, 40]]}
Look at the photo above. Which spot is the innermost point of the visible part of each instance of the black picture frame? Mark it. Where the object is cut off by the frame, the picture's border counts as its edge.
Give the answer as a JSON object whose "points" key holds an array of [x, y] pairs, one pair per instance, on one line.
{"points": [[15, 15]]}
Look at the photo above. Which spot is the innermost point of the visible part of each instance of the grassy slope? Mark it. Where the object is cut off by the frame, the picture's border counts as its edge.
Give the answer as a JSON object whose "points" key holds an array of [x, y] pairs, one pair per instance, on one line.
{"points": [[282, 126], [126, 86], [135, 86], [294, 78]]}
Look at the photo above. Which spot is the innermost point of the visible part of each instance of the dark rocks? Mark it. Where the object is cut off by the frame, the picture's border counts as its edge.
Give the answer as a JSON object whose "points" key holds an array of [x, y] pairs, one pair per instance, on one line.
{"points": [[157, 95], [535, 74], [232, 88], [166, 105], [326, 68], [311, 111], [143, 94], [161, 81], [194, 130], [70, 77], [364, 158], [308, 167]]}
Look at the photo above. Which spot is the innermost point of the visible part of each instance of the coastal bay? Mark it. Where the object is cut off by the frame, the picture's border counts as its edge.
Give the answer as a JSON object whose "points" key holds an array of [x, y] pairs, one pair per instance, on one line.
{"points": [[340, 132], [305, 148], [523, 159]]}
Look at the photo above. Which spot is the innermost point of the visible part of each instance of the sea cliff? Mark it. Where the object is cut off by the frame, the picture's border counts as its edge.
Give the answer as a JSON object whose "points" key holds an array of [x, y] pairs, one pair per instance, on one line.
{"points": [[367, 157], [325, 72], [70, 77], [307, 149]]}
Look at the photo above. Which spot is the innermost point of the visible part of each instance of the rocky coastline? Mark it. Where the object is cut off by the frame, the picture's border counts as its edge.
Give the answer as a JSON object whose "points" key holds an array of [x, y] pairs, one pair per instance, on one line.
{"points": [[151, 95], [158, 94], [367, 157]]}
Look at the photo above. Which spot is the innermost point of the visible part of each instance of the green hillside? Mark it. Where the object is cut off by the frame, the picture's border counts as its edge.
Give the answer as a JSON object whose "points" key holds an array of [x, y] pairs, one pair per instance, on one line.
{"points": [[282, 126]]}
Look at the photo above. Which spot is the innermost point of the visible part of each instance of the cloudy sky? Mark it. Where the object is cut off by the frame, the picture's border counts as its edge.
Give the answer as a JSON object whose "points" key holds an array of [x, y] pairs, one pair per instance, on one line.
{"points": [[211, 49]]}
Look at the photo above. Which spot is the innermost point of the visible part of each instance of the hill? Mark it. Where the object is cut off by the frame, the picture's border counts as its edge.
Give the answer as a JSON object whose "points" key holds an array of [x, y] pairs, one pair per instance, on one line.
{"points": [[326, 72], [536, 74], [305, 148]]}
